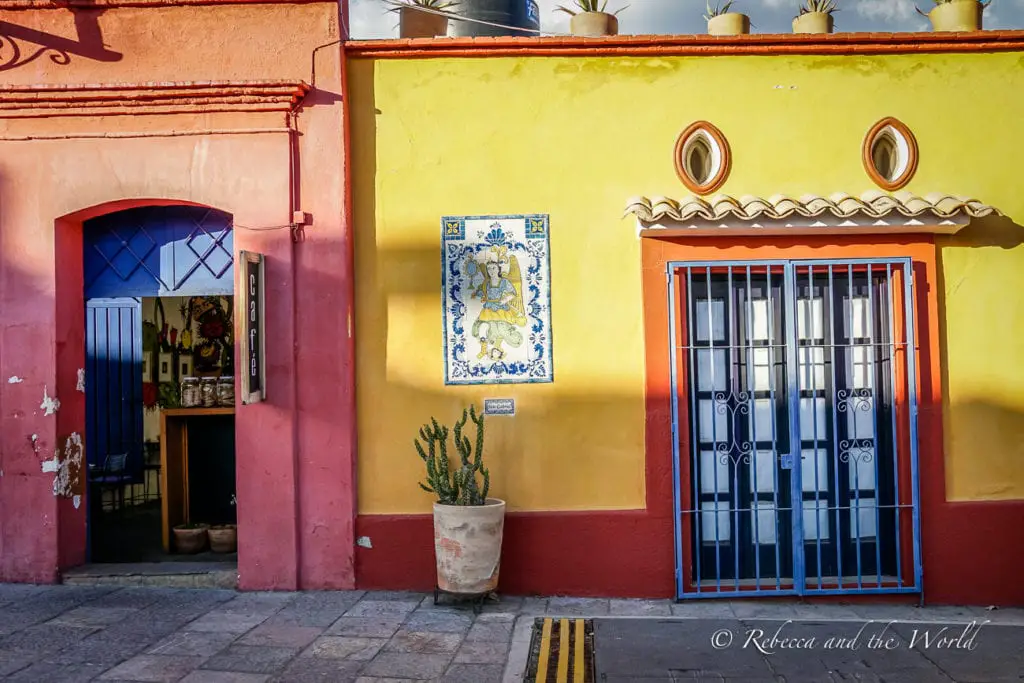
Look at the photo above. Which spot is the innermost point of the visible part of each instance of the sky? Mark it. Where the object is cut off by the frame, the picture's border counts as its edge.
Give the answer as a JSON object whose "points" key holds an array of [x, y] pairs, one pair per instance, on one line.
{"points": [[370, 18]]}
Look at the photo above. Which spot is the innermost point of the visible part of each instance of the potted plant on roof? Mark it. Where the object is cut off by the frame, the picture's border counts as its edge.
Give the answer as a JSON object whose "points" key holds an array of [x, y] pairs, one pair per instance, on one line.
{"points": [[422, 18], [956, 15], [722, 22], [590, 19], [468, 526], [815, 17]]}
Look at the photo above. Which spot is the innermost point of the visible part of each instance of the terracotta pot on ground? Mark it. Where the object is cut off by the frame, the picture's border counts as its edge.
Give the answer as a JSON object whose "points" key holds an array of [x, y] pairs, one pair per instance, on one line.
{"points": [[813, 22], [594, 24], [467, 546], [223, 538], [415, 23], [960, 15], [729, 24], [189, 541]]}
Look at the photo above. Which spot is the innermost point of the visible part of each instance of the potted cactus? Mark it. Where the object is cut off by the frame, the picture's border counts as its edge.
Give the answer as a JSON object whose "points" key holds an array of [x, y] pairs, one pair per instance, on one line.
{"points": [[956, 15], [722, 22], [815, 17], [423, 18], [590, 19], [468, 525]]}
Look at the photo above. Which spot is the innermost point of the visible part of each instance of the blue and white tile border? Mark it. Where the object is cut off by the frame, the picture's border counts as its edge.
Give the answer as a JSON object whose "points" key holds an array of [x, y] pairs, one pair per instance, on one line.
{"points": [[514, 346]]}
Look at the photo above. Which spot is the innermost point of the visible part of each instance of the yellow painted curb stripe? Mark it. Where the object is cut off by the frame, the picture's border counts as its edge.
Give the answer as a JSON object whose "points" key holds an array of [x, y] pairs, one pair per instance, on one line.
{"points": [[545, 652], [578, 647], [563, 651]]}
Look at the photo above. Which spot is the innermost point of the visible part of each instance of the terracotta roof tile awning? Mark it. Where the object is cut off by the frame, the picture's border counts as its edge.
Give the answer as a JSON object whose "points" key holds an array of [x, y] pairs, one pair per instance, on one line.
{"points": [[840, 213]]}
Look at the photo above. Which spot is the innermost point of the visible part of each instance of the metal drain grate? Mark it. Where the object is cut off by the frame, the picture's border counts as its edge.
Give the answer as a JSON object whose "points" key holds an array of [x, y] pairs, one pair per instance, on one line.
{"points": [[561, 651]]}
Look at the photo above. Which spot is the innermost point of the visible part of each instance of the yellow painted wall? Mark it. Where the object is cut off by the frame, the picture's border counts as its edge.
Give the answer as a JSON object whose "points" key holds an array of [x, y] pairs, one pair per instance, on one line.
{"points": [[576, 137]]}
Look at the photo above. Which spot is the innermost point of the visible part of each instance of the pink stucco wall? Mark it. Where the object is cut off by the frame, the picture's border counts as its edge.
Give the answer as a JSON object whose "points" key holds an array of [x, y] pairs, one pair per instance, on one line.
{"points": [[295, 477]]}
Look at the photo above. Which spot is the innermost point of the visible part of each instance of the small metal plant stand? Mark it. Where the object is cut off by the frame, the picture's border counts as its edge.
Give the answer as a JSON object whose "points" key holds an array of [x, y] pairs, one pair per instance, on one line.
{"points": [[477, 599]]}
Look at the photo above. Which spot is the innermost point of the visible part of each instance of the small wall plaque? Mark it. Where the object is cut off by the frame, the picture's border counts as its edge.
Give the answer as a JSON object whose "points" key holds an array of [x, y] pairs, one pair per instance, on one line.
{"points": [[499, 406]]}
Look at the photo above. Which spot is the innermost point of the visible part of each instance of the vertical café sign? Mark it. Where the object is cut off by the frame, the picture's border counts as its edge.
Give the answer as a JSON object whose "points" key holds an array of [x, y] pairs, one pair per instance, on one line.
{"points": [[254, 379]]}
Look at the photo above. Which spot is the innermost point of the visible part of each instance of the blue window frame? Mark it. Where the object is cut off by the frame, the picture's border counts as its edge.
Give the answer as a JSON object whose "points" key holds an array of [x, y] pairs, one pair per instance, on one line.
{"points": [[795, 427]]}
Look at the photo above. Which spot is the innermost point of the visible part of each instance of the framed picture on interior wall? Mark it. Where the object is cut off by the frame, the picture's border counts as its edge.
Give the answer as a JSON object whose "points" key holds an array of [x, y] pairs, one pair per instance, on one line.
{"points": [[166, 367], [497, 299], [147, 366], [185, 365]]}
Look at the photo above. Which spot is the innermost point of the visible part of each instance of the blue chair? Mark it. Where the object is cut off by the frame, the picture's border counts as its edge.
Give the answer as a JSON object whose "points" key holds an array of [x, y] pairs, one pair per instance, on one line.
{"points": [[113, 475]]}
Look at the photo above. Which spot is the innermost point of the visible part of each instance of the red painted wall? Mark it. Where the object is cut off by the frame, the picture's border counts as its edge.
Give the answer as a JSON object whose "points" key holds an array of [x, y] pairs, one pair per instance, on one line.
{"points": [[295, 452]]}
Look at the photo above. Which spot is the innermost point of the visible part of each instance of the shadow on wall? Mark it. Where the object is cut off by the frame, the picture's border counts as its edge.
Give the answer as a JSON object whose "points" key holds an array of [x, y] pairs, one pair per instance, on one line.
{"points": [[988, 425], [40, 462], [21, 45]]}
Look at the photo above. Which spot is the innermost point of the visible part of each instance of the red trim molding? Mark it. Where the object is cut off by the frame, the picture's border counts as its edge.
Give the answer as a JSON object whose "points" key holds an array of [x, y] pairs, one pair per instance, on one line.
{"points": [[587, 554], [26, 101], [692, 45]]}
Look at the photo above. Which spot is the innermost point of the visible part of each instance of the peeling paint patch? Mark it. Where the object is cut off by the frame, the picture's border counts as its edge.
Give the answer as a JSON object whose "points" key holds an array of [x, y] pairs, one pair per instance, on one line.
{"points": [[80, 386], [77, 500], [51, 465], [66, 478], [364, 541], [49, 405], [15, 380]]}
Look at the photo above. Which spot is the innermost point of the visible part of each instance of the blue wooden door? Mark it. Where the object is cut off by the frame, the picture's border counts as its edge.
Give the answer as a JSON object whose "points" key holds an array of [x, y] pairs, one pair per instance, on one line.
{"points": [[150, 251], [113, 356]]}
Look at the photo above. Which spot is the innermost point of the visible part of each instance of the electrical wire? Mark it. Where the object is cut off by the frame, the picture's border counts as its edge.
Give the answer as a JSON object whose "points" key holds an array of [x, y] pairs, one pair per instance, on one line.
{"points": [[265, 227], [457, 17]]}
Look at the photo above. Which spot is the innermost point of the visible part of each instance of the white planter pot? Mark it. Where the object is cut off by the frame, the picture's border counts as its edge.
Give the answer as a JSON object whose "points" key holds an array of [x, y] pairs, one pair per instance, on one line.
{"points": [[593, 24], [467, 546], [729, 24], [813, 22], [962, 15]]}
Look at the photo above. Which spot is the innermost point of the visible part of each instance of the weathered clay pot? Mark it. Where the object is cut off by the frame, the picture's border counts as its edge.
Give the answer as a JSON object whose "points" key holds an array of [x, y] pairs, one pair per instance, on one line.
{"points": [[729, 24], [223, 538], [960, 15], [415, 23], [594, 24], [467, 546], [813, 22], [190, 541]]}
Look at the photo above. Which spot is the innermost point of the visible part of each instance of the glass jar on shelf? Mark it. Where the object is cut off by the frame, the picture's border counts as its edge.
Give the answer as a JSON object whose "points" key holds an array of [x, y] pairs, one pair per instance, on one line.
{"points": [[226, 391], [190, 394], [208, 388]]}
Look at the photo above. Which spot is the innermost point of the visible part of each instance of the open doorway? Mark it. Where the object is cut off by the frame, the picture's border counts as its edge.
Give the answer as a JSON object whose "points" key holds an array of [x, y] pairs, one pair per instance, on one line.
{"points": [[160, 391]]}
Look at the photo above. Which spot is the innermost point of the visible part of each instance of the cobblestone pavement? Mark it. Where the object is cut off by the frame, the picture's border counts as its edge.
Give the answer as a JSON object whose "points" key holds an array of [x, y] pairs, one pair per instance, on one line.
{"points": [[57, 634], [76, 633]]}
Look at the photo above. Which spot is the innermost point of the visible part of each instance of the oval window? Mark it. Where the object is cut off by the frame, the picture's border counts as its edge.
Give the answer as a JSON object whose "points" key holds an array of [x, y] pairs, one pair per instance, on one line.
{"points": [[890, 154], [702, 158]]}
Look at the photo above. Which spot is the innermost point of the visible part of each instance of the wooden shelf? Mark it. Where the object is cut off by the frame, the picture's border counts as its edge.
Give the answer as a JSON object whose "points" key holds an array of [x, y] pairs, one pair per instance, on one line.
{"points": [[188, 412]]}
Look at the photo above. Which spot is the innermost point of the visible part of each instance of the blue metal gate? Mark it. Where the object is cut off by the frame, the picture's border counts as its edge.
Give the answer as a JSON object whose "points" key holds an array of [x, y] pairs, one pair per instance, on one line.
{"points": [[795, 427]]}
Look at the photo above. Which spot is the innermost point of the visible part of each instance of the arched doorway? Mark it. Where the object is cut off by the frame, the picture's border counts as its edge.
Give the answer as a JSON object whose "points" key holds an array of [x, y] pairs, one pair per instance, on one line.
{"points": [[159, 298]]}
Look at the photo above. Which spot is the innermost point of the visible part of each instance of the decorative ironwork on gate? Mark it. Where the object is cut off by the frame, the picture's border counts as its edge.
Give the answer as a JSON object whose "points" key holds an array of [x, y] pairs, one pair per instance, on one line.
{"points": [[794, 427], [159, 251]]}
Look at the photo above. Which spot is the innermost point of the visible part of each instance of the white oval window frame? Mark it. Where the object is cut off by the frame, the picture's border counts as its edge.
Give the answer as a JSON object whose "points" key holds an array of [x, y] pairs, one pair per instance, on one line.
{"points": [[906, 151], [720, 157]]}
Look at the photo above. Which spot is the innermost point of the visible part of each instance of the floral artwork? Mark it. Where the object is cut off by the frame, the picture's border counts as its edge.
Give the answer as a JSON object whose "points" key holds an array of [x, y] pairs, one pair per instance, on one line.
{"points": [[497, 299], [204, 345]]}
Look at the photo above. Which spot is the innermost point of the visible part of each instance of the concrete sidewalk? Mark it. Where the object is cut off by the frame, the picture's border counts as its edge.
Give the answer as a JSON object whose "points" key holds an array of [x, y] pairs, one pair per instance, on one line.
{"points": [[82, 633]]}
